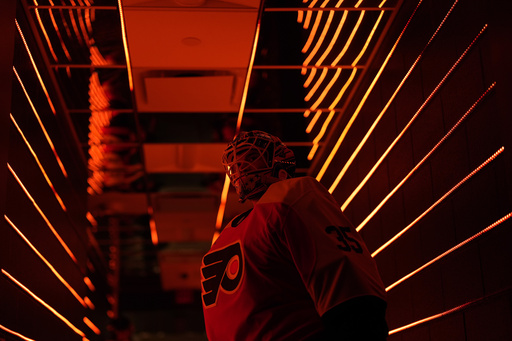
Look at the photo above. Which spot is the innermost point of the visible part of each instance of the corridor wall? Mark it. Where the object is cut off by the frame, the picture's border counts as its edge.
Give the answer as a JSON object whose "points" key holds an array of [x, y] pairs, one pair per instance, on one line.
{"points": [[421, 163], [53, 283]]}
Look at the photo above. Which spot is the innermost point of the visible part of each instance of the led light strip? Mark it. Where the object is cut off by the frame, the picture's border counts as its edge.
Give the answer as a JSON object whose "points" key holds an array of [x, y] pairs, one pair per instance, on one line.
{"points": [[48, 181], [92, 326], [47, 263], [458, 246], [334, 38], [313, 31], [363, 100], [50, 47], [447, 312], [46, 305], [405, 229], [445, 137], [35, 68], [48, 139], [383, 111], [316, 140], [125, 45], [225, 188], [15, 333], [48, 223], [350, 39]]}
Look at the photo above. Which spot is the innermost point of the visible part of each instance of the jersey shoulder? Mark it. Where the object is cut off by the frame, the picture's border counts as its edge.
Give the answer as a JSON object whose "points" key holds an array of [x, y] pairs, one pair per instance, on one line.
{"points": [[290, 191]]}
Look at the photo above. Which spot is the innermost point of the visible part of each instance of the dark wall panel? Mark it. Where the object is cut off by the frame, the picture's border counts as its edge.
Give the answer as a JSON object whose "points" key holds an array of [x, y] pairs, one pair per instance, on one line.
{"points": [[447, 241]]}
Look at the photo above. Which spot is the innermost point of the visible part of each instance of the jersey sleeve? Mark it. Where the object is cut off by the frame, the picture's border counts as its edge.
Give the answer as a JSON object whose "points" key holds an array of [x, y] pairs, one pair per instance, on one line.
{"points": [[329, 254]]}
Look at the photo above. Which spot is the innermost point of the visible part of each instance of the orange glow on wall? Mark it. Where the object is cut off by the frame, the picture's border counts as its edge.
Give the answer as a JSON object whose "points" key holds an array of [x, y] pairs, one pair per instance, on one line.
{"points": [[467, 177], [48, 139], [46, 262], [46, 305], [15, 333], [91, 325], [48, 181], [363, 100], [445, 137], [36, 69], [48, 223]]}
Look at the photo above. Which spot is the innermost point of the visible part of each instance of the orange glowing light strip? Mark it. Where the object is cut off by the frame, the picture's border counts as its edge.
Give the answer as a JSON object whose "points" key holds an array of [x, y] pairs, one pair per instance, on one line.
{"points": [[343, 89], [322, 34], [48, 181], [48, 139], [91, 325], [125, 45], [46, 305], [224, 197], [331, 107], [404, 130], [350, 38], [48, 223], [317, 84], [458, 246], [370, 36], [300, 16], [15, 334], [313, 121], [91, 219], [154, 234], [89, 284], [445, 137], [50, 47], [308, 81], [248, 77], [326, 89], [405, 229], [57, 31], [312, 33], [430, 318], [363, 100], [334, 38], [75, 25], [89, 303], [359, 3], [225, 189], [45, 261], [316, 140], [308, 14], [35, 68]]}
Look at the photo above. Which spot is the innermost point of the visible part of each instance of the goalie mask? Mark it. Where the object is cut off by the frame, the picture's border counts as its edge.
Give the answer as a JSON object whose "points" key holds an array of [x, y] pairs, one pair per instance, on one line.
{"points": [[253, 161]]}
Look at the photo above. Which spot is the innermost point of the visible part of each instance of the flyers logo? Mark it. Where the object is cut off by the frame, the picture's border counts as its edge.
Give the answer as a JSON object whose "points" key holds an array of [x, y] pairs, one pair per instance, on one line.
{"points": [[222, 269]]}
